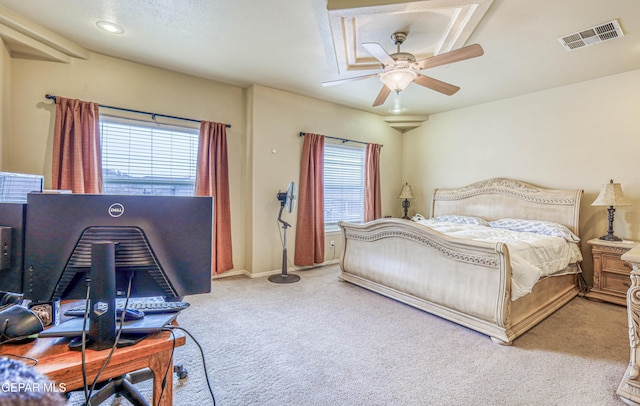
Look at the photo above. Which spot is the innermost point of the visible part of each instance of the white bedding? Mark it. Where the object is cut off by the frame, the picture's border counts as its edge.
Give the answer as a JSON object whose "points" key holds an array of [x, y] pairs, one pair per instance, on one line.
{"points": [[532, 255]]}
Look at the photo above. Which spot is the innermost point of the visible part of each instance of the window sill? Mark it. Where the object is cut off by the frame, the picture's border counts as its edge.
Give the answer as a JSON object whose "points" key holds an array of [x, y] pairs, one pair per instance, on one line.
{"points": [[332, 230]]}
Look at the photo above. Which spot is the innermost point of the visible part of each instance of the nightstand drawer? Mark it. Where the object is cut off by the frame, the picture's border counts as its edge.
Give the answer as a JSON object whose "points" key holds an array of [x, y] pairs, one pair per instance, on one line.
{"points": [[615, 282], [614, 263]]}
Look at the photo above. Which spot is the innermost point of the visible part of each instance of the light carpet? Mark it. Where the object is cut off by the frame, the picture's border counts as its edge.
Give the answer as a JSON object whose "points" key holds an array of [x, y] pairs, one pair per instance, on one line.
{"points": [[321, 341]]}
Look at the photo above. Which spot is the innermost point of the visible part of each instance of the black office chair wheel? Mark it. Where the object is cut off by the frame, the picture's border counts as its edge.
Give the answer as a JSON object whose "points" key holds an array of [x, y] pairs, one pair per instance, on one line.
{"points": [[180, 371]]}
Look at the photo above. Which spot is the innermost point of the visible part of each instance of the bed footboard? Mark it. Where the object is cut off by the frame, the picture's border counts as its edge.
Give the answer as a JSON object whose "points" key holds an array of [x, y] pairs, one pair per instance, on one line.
{"points": [[467, 282]]}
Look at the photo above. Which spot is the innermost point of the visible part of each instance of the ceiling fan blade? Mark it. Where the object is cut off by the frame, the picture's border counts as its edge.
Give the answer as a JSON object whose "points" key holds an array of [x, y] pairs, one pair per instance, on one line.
{"points": [[435, 84], [378, 52], [341, 81], [382, 96], [461, 54]]}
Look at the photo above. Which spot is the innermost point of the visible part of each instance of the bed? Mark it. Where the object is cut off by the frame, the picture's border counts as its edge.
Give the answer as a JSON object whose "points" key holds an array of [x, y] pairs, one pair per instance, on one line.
{"points": [[466, 281]]}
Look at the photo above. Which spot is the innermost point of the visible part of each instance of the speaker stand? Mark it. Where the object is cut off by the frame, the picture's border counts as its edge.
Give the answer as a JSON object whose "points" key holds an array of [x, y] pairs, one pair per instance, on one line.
{"points": [[284, 277]]}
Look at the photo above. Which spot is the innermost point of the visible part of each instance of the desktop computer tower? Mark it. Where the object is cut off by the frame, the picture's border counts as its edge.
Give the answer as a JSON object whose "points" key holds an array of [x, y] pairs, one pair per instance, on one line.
{"points": [[12, 222], [14, 188]]}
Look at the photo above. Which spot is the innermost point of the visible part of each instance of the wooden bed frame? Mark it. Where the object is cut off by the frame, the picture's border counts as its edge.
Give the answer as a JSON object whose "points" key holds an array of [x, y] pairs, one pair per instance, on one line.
{"points": [[467, 282]]}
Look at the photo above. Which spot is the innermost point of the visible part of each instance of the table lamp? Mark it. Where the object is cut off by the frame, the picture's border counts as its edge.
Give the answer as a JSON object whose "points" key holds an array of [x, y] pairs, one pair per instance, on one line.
{"points": [[406, 194], [611, 195]]}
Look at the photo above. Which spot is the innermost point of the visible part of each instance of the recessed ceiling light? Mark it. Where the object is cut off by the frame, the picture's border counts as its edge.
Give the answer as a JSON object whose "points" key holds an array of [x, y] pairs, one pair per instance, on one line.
{"points": [[110, 27]]}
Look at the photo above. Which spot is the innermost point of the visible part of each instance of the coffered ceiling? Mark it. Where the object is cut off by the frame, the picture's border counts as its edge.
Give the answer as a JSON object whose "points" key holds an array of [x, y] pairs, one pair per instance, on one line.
{"points": [[434, 27], [295, 45]]}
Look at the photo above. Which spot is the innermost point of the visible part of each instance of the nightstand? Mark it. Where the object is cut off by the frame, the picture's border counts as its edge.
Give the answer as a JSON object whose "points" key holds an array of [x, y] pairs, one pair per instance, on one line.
{"points": [[611, 278]]}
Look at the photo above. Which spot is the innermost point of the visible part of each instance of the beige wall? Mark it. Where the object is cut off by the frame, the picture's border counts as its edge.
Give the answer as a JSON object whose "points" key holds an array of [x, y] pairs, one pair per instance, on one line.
{"points": [[5, 102], [277, 119], [114, 82], [577, 136], [262, 120]]}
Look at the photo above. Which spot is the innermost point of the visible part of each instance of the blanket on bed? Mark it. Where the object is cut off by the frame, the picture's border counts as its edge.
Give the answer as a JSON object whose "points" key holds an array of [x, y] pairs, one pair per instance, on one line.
{"points": [[533, 255]]}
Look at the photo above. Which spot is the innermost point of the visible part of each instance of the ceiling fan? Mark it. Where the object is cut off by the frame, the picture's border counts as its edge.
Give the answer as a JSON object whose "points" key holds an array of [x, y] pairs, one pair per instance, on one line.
{"points": [[401, 68]]}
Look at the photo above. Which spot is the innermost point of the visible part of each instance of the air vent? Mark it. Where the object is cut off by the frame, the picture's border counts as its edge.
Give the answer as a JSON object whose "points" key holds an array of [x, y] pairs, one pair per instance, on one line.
{"points": [[590, 36]]}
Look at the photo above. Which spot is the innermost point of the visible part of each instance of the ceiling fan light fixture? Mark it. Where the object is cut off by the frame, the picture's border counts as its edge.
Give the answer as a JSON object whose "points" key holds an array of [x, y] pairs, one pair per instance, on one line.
{"points": [[398, 79]]}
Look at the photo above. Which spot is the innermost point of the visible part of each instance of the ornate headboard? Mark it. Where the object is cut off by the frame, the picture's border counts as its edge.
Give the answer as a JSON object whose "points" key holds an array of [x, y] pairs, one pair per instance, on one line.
{"points": [[508, 198]]}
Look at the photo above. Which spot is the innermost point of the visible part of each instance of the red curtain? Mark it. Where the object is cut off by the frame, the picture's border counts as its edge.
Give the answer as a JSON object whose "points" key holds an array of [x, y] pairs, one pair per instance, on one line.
{"points": [[310, 225], [212, 179], [372, 202], [77, 160]]}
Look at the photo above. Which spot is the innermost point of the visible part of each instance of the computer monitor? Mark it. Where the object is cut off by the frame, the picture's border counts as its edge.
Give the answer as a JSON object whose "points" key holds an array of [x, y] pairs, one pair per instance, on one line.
{"points": [[164, 243], [12, 218]]}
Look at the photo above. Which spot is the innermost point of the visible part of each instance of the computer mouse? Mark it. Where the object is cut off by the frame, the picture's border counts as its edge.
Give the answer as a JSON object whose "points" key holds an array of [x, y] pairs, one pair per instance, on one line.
{"points": [[130, 314], [17, 321], [10, 298]]}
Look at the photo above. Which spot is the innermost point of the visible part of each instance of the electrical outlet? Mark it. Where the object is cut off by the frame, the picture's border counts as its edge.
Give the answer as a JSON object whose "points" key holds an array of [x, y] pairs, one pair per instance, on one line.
{"points": [[332, 243]]}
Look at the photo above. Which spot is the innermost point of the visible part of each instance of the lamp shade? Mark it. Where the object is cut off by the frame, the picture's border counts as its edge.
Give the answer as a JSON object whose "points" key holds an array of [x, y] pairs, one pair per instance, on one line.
{"points": [[611, 195], [398, 79], [406, 192]]}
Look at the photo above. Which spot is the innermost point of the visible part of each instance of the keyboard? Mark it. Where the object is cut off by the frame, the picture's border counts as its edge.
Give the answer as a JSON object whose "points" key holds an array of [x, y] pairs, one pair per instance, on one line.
{"points": [[153, 306]]}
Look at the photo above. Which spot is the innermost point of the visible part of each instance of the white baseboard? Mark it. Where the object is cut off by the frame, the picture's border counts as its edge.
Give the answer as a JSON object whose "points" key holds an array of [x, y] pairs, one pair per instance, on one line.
{"points": [[299, 268], [236, 272], [233, 272]]}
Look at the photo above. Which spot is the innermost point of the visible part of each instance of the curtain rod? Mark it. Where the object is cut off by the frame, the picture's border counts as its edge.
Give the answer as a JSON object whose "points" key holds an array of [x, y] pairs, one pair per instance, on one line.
{"points": [[302, 134], [153, 115]]}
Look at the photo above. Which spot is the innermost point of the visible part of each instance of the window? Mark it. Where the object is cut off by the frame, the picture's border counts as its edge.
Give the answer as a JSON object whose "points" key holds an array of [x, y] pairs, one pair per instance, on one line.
{"points": [[140, 158], [343, 184]]}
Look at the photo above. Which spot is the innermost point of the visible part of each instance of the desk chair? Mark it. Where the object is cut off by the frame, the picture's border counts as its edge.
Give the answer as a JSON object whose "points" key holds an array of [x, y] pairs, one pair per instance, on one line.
{"points": [[124, 386]]}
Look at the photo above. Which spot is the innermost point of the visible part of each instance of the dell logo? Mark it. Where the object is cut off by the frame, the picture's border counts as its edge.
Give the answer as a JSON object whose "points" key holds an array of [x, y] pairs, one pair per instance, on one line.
{"points": [[116, 210]]}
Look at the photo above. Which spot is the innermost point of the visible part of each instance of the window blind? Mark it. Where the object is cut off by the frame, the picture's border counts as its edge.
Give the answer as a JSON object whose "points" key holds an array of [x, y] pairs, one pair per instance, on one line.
{"points": [[343, 184], [140, 158]]}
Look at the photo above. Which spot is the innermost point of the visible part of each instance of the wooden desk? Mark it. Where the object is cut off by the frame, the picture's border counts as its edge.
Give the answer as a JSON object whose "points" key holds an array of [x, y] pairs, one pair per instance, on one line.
{"points": [[64, 366]]}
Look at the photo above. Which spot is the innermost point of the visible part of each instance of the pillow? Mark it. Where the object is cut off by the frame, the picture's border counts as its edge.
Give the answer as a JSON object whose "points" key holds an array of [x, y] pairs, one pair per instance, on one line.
{"points": [[536, 226], [451, 218]]}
